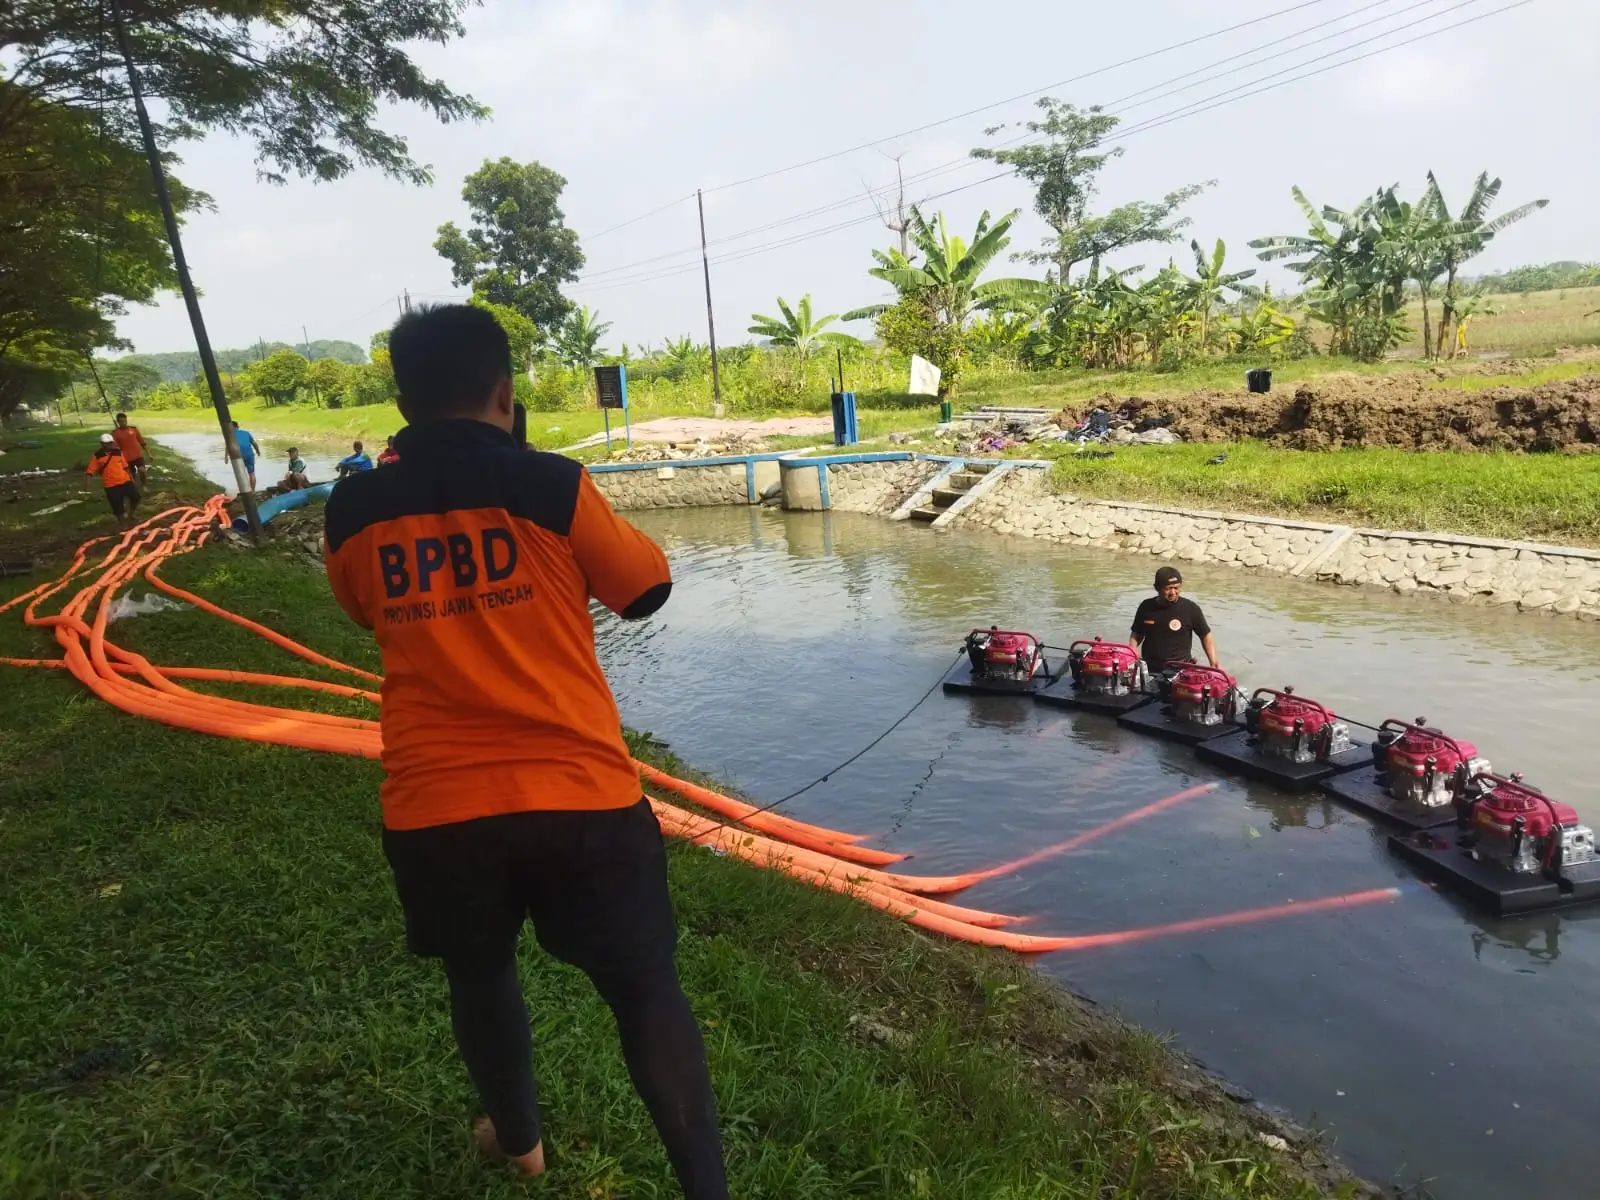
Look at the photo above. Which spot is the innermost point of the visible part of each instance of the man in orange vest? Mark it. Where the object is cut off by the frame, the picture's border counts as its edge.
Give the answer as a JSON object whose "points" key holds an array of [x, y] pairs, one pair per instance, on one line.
{"points": [[133, 450], [510, 793], [121, 491]]}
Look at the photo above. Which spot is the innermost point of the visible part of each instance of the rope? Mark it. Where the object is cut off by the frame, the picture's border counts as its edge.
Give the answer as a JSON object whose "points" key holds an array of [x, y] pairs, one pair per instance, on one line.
{"points": [[859, 754]]}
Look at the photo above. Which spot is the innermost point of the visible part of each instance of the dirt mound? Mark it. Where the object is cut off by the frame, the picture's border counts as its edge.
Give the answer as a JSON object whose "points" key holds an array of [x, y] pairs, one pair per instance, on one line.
{"points": [[1385, 410]]}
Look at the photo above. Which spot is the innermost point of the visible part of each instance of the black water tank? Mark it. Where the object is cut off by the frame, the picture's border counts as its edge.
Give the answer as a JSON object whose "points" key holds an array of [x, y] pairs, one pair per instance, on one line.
{"points": [[1258, 380]]}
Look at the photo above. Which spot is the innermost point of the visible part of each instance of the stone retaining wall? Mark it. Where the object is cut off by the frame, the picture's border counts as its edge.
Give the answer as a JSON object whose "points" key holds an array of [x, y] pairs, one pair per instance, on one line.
{"points": [[877, 487], [1534, 578], [668, 486]]}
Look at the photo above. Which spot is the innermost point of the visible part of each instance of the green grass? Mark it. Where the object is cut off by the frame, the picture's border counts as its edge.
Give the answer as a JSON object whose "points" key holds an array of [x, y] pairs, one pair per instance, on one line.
{"points": [[216, 920], [1547, 497], [1530, 323]]}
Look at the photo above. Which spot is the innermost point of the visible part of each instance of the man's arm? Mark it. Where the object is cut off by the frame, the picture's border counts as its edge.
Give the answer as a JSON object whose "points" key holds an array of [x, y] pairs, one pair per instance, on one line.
{"points": [[626, 570], [1207, 642], [340, 565]]}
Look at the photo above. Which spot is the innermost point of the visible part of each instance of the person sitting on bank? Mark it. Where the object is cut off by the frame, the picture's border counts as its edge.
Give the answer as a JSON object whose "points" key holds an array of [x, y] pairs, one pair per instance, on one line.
{"points": [[388, 454], [1165, 625], [354, 464], [122, 493], [131, 441], [297, 479]]}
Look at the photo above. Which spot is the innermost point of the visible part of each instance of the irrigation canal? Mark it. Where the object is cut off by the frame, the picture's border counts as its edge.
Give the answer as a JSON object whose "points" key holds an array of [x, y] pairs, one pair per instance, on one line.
{"points": [[1434, 1046]]}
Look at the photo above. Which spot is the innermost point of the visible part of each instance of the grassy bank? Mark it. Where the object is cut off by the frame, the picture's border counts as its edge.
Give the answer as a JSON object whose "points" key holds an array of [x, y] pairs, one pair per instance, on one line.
{"points": [[206, 990], [1537, 497]]}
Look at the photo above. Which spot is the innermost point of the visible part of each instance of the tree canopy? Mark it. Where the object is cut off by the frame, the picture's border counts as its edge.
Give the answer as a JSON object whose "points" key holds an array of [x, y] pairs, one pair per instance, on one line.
{"points": [[302, 79], [518, 252], [1062, 164]]}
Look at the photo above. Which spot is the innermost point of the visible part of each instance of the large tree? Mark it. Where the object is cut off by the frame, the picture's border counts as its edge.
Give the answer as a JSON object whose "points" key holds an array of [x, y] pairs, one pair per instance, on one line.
{"points": [[1061, 163], [302, 79], [519, 251]]}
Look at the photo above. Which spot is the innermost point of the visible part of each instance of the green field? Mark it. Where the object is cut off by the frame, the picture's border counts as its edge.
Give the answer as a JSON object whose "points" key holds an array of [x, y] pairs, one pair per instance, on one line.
{"points": [[1526, 323], [206, 993]]}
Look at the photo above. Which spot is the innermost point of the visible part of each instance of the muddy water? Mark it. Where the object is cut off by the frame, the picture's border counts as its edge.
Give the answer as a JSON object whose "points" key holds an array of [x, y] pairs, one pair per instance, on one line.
{"points": [[1435, 1046], [205, 453]]}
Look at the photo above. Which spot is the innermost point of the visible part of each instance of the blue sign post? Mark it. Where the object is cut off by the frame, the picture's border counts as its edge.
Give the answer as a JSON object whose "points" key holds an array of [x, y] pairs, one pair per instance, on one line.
{"points": [[611, 385]]}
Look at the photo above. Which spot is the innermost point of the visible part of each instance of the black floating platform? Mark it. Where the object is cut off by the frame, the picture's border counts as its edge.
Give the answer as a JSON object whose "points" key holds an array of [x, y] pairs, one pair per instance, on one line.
{"points": [[960, 679], [1362, 792], [1157, 719], [1435, 853], [1235, 752], [1062, 694]]}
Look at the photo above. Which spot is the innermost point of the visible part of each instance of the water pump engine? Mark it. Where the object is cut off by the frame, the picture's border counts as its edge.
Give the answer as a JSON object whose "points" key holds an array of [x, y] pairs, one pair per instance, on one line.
{"points": [[1421, 766], [1203, 695], [1004, 654], [1519, 827], [1290, 727], [1105, 668]]}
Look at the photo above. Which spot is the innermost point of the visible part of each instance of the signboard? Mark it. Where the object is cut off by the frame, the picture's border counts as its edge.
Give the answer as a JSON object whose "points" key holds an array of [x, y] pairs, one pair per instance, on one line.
{"points": [[924, 377], [611, 384]]}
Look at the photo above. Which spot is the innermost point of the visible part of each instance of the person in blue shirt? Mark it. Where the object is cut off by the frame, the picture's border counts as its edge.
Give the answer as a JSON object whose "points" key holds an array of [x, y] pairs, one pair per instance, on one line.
{"points": [[353, 464], [248, 449]]}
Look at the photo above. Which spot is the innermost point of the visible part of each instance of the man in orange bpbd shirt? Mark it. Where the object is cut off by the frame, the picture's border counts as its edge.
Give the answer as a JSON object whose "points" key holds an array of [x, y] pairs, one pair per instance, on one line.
{"points": [[131, 441], [510, 793]]}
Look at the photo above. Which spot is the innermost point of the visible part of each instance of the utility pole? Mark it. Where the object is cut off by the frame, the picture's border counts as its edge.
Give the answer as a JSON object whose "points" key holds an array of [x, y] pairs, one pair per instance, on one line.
{"points": [[316, 392], [711, 320], [191, 300], [408, 299]]}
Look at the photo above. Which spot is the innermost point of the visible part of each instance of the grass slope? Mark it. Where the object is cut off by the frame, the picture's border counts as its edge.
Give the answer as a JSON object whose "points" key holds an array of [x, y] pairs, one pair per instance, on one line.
{"points": [[206, 992], [1541, 497]]}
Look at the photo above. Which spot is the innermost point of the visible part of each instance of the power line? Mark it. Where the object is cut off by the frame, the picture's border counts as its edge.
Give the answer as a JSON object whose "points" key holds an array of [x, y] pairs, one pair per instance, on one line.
{"points": [[966, 161], [972, 112], [1204, 105]]}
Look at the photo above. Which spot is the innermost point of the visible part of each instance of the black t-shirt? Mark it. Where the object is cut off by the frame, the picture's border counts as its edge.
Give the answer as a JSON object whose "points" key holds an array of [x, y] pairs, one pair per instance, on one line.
{"points": [[1168, 630]]}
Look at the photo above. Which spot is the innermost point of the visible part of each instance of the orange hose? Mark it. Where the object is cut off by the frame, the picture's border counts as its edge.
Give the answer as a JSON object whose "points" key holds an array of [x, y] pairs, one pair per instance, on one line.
{"points": [[821, 857], [811, 837]]}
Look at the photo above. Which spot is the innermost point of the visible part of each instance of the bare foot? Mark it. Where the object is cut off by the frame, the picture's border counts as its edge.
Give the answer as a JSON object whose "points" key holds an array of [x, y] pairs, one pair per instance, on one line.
{"points": [[526, 1165]]}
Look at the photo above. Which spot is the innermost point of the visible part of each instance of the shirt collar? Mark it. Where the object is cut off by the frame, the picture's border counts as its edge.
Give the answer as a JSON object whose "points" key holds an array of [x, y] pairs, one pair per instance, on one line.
{"points": [[452, 434]]}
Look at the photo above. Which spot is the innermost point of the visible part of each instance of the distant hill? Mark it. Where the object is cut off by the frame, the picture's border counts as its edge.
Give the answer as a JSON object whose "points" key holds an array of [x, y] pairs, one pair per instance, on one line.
{"points": [[184, 365]]}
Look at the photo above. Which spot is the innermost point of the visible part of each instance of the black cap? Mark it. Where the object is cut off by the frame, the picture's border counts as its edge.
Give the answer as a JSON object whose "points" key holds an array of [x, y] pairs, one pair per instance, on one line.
{"points": [[1168, 575]]}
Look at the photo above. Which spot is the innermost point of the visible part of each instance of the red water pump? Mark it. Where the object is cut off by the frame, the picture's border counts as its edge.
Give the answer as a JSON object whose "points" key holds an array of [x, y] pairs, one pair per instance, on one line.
{"points": [[1516, 825], [1421, 765], [1004, 654], [1288, 726], [1203, 695], [1105, 668]]}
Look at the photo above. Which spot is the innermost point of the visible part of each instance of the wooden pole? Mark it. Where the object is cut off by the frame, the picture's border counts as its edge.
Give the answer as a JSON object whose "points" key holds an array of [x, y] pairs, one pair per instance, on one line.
{"points": [[711, 320]]}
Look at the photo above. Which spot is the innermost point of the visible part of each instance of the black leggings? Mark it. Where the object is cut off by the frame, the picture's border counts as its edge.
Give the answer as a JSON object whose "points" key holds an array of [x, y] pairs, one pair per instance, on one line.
{"points": [[660, 1043]]}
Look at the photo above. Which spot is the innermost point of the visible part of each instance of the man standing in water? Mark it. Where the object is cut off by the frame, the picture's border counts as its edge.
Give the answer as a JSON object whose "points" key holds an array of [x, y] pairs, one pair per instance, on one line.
{"points": [[1165, 625], [510, 793]]}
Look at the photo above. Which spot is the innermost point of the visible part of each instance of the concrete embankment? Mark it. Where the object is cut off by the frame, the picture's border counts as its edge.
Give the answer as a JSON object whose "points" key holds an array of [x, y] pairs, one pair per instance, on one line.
{"points": [[1020, 500]]}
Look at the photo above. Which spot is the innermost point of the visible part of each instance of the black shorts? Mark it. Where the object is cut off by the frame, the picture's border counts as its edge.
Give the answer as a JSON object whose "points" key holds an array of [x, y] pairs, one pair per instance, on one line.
{"points": [[593, 883], [123, 497]]}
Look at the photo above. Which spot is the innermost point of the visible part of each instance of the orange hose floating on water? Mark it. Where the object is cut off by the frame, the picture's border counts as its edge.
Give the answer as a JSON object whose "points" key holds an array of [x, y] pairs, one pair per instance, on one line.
{"points": [[1095, 834], [813, 854]]}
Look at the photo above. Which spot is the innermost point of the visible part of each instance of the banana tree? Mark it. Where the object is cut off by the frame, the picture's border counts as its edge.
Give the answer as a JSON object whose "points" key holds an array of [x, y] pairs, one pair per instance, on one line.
{"points": [[577, 340], [1210, 282], [798, 331], [951, 269], [1471, 232]]}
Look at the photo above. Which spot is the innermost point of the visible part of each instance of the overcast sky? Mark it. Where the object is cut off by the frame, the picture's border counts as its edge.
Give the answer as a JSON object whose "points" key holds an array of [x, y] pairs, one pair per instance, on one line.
{"points": [[639, 102]]}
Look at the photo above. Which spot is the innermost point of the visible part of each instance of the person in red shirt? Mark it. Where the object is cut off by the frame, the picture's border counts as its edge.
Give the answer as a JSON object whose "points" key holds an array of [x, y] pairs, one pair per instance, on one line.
{"points": [[388, 454], [133, 448], [121, 491], [510, 793]]}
